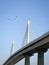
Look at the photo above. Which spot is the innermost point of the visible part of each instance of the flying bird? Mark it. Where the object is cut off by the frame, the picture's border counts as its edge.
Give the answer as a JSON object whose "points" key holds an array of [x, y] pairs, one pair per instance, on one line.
{"points": [[14, 19]]}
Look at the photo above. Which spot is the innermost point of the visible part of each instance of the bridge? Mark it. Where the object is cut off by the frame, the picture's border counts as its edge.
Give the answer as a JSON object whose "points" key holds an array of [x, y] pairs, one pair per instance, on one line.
{"points": [[39, 45]]}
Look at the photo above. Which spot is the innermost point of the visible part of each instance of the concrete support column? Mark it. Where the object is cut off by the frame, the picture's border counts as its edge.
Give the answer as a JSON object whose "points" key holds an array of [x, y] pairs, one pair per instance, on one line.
{"points": [[27, 60], [40, 58]]}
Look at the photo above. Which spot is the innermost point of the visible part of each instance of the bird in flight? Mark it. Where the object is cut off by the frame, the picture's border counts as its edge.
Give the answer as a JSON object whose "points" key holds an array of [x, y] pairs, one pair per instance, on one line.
{"points": [[14, 19]]}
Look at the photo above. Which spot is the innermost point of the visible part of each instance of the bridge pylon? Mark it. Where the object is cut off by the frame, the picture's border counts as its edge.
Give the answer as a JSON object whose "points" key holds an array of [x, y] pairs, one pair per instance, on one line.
{"points": [[12, 48], [27, 57]]}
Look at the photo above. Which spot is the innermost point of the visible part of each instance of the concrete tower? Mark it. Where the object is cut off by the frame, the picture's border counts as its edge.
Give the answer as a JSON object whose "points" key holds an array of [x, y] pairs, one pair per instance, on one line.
{"points": [[26, 39], [12, 48], [28, 31]]}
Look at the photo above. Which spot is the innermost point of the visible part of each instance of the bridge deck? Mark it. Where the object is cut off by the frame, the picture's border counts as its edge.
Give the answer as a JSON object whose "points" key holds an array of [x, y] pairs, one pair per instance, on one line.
{"points": [[38, 44]]}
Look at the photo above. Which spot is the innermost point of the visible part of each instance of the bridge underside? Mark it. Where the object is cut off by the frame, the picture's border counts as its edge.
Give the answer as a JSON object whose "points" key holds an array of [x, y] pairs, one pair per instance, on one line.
{"points": [[39, 46]]}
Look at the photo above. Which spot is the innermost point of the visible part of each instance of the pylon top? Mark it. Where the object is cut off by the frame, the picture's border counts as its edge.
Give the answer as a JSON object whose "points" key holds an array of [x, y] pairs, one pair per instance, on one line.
{"points": [[28, 21]]}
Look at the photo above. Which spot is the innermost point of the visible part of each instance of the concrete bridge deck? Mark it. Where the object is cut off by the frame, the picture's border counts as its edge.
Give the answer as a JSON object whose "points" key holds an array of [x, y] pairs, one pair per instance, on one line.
{"points": [[39, 45]]}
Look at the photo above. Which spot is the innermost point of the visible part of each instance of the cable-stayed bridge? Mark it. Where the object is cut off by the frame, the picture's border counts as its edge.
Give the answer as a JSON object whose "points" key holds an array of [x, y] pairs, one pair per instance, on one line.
{"points": [[39, 45]]}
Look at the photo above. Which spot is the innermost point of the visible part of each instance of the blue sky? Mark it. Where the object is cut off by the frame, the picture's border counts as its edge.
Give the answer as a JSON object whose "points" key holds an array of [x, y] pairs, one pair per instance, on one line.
{"points": [[14, 29]]}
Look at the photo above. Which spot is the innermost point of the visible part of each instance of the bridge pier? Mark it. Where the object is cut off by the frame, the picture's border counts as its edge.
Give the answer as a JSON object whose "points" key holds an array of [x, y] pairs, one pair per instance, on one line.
{"points": [[40, 58], [27, 60]]}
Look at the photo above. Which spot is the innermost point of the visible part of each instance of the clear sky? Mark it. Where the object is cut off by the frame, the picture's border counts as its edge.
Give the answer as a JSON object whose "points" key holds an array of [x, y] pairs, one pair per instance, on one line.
{"points": [[13, 21]]}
